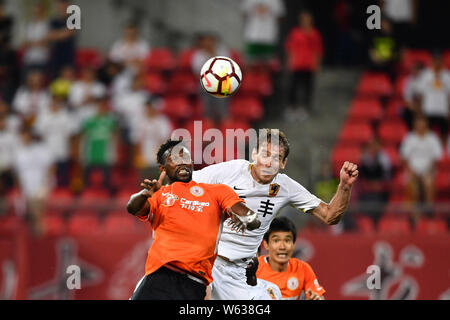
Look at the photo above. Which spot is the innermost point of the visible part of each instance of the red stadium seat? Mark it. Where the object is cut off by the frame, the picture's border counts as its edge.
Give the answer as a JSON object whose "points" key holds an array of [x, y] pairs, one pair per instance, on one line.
{"points": [[177, 107], [442, 182], [413, 56], [394, 109], [365, 110], [256, 83], [83, 225], [160, 59], [119, 223], [444, 162], [394, 155], [246, 108], [394, 225], [236, 56], [185, 59], [88, 57], [365, 225], [357, 133], [392, 131], [54, 224], [155, 83], [184, 83], [342, 153], [446, 58], [93, 198], [431, 226], [374, 84]]}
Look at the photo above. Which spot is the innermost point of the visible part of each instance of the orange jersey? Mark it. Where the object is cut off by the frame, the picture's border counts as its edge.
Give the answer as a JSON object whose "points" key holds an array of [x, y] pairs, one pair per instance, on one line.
{"points": [[298, 277], [187, 222]]}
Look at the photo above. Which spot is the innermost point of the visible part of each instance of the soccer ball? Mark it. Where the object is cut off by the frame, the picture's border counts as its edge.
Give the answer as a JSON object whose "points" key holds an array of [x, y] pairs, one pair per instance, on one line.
{"points": [[220, 76]]}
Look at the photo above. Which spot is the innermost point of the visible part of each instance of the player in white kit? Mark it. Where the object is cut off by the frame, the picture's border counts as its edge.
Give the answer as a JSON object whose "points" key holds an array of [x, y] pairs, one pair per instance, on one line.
{"points": [[265, 191]]}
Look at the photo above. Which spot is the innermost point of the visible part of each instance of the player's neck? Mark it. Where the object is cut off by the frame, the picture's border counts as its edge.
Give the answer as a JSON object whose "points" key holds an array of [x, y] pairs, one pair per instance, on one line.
{"points": [[278, 267]]}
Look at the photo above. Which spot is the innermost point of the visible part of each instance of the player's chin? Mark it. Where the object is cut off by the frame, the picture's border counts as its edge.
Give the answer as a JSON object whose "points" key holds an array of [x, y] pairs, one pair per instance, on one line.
{"points": [[183, 177]]}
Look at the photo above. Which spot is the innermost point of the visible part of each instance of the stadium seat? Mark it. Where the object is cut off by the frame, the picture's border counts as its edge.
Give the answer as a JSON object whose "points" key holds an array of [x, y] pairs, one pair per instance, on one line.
{"points": [[365, 225], [394, 156], [155, 83], [357, 133], [232, 123], [183, 83], [392, 131], [54, 224], [160, 59], [394, 225], [342, 153], [442, 182], [365, 110], [83, 225], [444, 162], [177, 107], [413, 56], [93, 198], [119, 223], [9, 223], [88, 57], [429, 226], [394, 109], [246, 108], [400, 83], [256, 83], [446, 58], [374, 84], [237, 57], [184, 61]]}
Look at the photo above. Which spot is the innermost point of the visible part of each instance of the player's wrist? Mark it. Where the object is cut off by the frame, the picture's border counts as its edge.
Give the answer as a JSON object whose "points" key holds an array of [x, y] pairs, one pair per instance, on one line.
{"points": [[344, 186]]}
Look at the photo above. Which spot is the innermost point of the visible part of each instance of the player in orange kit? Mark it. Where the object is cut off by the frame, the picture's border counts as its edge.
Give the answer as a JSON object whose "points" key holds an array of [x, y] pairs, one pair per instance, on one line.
{"points": [[187, 221], [291, 275]]}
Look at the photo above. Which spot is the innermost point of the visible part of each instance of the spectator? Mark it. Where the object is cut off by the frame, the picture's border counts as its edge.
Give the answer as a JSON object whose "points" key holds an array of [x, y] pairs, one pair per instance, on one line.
{"points": [[304, 50], [208, 47], [13, 122], [8, 143], [411, 94], [434, 91], [33, 166], [62, 39], [98, 137], [153, 129], [32, 98], [62, 85], [261, 28], [130, 50], [420, 150], [403, 15], [6, 25], [82, 94], [35, 45], [130, 106], [56, 127], [375, 174], [383, 50]]}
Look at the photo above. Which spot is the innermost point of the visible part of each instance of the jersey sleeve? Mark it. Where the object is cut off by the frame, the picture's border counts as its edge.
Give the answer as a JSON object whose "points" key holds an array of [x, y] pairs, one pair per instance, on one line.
{"points": [[226, 197], [153, 202], [311, 281], [300, 198]]}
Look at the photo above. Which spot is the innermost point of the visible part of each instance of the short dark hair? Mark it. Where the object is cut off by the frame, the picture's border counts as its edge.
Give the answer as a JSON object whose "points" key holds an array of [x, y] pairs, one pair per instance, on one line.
{"points": [[169, 144], [283, 224], [266, 135]]}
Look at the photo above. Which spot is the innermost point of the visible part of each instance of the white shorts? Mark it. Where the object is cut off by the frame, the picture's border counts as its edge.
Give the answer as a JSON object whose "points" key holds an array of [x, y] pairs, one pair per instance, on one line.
{"points": [[230, 283]]}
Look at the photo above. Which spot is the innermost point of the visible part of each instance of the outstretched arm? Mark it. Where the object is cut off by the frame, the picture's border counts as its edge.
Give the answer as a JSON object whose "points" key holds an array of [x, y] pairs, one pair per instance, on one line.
{"points": [[332, 213]]}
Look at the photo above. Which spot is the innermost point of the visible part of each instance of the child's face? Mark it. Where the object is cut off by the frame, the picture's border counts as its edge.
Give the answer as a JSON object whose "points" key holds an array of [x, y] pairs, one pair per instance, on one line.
{"points": [[281, 246]]}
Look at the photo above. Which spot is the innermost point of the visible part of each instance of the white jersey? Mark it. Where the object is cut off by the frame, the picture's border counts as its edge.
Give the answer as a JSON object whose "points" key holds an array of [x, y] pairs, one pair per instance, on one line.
{"points": [[265, 199]]}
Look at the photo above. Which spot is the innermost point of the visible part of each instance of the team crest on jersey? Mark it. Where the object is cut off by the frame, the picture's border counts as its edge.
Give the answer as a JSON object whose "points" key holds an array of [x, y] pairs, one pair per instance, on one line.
{"points": [[292, 283], [271, 293], [169, 200], [273, 189], [197, 191]]}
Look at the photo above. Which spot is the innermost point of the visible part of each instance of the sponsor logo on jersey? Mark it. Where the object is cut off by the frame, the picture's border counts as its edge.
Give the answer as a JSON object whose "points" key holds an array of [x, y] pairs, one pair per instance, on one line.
{"points": [[169, 199], [292, 283], [197, 191], [273, 189]]}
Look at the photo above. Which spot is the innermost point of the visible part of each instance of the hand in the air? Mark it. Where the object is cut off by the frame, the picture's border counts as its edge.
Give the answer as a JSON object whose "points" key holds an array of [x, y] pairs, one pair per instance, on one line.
{"points": [[349, 173], [152, 186]]}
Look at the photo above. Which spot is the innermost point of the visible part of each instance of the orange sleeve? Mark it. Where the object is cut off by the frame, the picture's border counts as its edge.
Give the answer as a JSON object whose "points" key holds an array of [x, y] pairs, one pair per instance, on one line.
{"points": [[153, 203], [311, 281], [226, 197]]}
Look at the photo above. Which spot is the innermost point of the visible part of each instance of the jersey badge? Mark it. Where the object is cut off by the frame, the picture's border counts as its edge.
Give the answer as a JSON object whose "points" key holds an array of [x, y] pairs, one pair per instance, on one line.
{"points": [[197, 191], [273, 189], [292, 283], [169, 200]]}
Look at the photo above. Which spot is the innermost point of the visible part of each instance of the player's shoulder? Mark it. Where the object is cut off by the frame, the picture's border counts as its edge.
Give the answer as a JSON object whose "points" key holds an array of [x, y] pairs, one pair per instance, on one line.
{"points": [[262, 260], [236, 163], [298, 264], [291, 184]]}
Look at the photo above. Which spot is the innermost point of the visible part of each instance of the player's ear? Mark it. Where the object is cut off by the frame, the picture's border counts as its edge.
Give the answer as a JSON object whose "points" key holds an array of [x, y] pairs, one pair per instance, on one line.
{"points": [[266, 245], [283, 164], [254, 154]]}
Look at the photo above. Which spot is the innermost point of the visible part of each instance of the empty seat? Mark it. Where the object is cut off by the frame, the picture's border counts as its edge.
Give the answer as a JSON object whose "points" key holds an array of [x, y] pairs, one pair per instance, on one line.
{"points": [[412, 56], [83, 225], [116, 222], [160, 59], [394, 225], [392, 131], [246, 108], [88, 57], [155, 83], [374, 84], [356, 133], [177, 107], [54, 224], [184, 61], [431, 226], [394, 155], [256, 83], [184, 83], [342, 153], [365, 110], [365, 224]]}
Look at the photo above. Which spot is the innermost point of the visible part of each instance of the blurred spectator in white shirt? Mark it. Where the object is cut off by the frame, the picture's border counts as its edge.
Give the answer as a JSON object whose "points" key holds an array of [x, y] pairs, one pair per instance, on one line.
{"points": [[262, 19], [35, 45], [31, 98], [56, 127], [8, 143], [151, 131], [130, 50], [33, 166], [411, 94], [83, 93], [13, 122], [420, 150], [434, 89]]}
